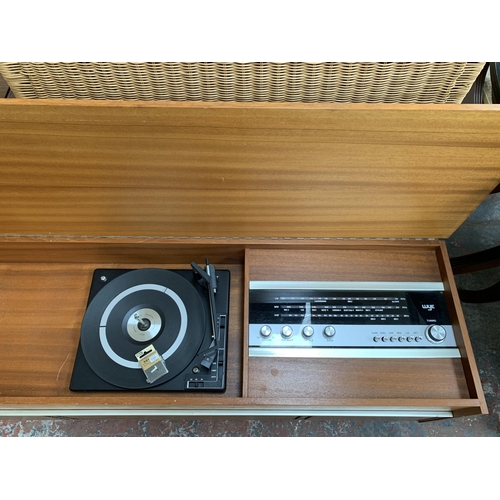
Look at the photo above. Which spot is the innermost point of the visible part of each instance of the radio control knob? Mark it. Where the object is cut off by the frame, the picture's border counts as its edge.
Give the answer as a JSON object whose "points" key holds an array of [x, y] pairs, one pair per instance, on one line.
{"points": [[435, 333], [329, 331], [286, 332], [265, 331], [308, 331]]}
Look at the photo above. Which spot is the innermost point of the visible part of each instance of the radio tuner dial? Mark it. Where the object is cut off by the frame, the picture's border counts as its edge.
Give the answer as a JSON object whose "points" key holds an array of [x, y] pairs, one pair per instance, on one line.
{"points": [[329, 332], [265, 331], [286, 332], [435, 333]]}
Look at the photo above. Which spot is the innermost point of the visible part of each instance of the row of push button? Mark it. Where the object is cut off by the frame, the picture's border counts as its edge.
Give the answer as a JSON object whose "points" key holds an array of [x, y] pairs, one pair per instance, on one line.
{"points": [[402, 338]]}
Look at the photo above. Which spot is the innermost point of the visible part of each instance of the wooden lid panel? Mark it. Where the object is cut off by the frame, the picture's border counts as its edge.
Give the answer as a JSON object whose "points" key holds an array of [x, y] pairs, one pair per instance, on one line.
{"points": [[244, 170]]}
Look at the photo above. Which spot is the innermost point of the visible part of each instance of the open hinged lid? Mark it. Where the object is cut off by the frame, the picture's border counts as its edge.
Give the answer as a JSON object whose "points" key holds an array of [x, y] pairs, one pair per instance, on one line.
{"points": [[103, 168]]}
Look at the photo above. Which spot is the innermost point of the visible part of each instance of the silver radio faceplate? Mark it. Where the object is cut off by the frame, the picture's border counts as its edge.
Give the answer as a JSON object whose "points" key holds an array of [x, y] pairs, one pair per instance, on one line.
{"points": [[379, 315]]}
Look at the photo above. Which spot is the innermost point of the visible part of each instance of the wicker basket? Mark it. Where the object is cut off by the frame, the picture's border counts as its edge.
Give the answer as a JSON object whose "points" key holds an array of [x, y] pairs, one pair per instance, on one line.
{"points": [[421, 82]]}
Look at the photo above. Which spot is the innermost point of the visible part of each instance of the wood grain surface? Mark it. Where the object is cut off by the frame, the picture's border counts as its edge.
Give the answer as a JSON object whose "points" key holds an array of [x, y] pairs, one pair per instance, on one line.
{"points": [[42, 309], [276, 377], [243, 170], [113, 184], [44, 286], [356, 378], [361, 263]]}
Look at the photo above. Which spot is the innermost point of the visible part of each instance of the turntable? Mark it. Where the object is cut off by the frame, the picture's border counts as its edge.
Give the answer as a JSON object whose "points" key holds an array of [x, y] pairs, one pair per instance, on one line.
{"points": [[156, 329]]}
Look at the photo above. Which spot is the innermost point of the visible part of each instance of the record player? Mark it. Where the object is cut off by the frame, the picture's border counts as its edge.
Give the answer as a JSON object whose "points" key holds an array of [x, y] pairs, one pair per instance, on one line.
{"points": [[157, 329]]}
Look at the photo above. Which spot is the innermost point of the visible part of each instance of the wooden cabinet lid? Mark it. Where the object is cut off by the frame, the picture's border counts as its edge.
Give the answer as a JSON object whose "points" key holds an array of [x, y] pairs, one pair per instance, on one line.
{"points": [[108, 168]]}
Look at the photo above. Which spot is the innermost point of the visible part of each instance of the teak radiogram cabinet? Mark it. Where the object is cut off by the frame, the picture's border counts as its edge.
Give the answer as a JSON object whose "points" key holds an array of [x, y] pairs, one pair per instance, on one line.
{"points": [[269, 191]]}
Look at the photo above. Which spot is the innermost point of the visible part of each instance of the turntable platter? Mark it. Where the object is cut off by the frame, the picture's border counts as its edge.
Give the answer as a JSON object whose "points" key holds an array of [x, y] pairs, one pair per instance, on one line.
{"points": [[136, 309]]}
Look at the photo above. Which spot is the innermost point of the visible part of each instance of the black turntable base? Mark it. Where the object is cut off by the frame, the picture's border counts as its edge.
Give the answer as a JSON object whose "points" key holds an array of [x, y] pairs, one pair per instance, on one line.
{"points": [[180, 316]]}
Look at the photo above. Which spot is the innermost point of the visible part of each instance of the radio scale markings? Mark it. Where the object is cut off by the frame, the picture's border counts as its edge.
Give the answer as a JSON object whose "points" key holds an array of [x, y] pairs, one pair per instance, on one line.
{"points": [[291, 315]]}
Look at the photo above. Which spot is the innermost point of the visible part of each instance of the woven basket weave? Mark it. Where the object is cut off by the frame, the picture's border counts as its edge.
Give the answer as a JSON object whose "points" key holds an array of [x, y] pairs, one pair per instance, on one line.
{"points": [[421, 82]]}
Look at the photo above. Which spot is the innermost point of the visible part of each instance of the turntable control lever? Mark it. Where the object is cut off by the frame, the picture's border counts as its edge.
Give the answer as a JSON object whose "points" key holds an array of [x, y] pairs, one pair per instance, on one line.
{"points": [[208, 358]]}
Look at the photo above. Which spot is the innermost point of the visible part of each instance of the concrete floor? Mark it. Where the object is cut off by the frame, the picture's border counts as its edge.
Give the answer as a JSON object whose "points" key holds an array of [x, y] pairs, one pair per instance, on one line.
{"points": [[480, 231]]}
